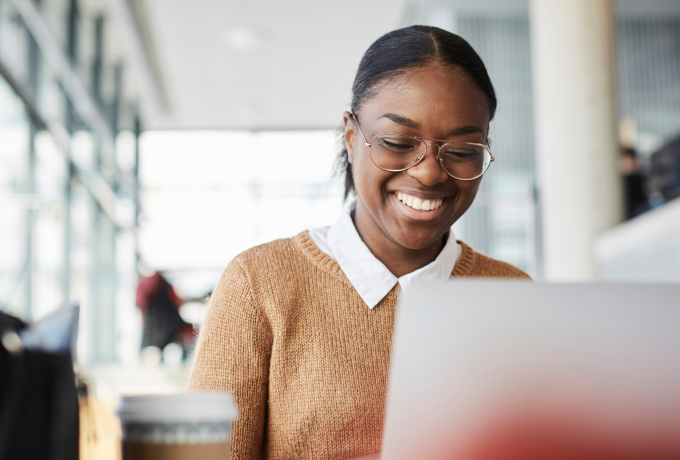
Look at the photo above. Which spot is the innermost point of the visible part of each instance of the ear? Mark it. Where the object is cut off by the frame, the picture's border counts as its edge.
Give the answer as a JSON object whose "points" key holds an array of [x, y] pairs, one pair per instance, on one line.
{"points": [[350, 135]]}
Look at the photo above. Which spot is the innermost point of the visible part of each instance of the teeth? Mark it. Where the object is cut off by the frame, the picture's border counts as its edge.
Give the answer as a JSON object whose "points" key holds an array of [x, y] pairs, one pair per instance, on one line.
{"points": [[418, 203]]}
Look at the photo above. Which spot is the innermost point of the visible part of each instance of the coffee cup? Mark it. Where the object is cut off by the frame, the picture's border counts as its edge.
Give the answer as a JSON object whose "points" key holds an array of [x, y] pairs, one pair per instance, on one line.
{"points": [[176, 427]]}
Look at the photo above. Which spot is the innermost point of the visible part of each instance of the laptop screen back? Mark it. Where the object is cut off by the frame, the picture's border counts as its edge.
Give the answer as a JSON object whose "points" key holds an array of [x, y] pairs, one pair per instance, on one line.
{"points": [[478, 366]]}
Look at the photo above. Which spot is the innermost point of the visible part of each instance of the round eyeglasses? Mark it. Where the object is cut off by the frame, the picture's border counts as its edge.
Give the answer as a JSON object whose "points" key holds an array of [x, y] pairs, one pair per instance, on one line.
{"points": [[398, 152]]}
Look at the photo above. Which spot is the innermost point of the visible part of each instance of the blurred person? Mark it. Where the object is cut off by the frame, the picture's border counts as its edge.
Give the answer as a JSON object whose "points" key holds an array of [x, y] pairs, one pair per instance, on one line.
{"points": [[300, 329], [160, 304], [633, 183]]}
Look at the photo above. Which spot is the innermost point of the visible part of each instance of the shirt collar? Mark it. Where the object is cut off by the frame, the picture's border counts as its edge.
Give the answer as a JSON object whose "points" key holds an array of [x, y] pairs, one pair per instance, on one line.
{"points": [[370, 277]]}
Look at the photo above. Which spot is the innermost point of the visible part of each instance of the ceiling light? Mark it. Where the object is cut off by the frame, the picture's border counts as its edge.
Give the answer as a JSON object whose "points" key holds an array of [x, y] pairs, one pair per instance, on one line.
{"points": [[245, 39]]}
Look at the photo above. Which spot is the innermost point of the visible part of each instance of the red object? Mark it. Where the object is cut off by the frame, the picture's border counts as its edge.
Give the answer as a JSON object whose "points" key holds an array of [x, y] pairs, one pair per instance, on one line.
{"points": [[147, 291]]}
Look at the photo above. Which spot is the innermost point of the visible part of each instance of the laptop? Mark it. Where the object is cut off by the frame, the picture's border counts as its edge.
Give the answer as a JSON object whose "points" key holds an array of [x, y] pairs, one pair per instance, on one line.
{"points": [[490, 369]]}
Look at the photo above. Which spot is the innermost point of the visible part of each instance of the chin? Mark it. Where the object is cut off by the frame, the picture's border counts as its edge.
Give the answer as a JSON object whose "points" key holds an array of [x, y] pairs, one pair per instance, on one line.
{"points": [[414, 240]]}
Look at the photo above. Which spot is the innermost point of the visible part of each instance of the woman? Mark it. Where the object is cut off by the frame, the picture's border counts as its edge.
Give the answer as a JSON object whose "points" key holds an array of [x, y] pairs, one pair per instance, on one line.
{"points": [[300, 329]]}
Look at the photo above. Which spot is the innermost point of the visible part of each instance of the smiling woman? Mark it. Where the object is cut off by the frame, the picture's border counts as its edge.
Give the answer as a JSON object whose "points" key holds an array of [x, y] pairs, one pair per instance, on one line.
{"points": [[434, 101], [300, 329]]}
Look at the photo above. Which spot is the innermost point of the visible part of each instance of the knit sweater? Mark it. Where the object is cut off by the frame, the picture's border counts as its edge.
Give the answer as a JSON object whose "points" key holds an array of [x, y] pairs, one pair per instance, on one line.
{"points": [[306, 360]]}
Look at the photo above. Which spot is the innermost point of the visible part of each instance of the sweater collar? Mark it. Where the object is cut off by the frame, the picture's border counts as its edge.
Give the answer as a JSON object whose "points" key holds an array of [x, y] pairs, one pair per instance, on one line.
{"points": [[370, 277]]}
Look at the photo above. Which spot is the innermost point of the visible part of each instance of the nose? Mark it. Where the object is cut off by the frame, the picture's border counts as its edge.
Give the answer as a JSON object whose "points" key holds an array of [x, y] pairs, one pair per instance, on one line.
{"points": [[429, 171]]}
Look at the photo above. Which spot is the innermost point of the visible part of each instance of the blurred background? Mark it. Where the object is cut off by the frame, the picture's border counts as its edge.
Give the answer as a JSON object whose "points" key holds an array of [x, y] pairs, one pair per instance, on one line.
{"points": [[144, 143]]}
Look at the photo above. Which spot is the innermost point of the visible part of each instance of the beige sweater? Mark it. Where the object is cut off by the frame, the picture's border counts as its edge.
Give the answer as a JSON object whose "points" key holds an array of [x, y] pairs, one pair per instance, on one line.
{"points": [[306, 359]]}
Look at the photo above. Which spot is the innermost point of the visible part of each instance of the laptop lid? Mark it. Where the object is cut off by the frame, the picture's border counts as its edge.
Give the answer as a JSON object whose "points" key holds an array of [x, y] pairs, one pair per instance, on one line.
{"points": [[477, 365]]}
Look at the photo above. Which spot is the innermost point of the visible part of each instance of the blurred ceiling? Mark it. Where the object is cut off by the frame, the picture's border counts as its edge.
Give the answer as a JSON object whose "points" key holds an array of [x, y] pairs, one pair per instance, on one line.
{"points": [[259, 64]]}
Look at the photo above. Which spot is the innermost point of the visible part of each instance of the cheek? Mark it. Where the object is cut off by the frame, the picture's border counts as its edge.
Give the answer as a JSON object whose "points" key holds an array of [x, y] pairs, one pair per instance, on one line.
{"points": [[467, 191], [368, 178], [470, 187], [370, 184]]}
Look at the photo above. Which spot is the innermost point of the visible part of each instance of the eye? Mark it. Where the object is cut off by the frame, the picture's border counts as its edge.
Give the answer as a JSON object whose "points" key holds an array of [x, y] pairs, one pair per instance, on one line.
{"points": [[462, 153], [396, 144]]}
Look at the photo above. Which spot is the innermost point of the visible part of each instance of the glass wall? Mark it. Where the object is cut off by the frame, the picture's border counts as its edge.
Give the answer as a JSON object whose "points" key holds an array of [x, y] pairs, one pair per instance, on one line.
{"points": [[67, 232], [649, 78], [17, 204]]}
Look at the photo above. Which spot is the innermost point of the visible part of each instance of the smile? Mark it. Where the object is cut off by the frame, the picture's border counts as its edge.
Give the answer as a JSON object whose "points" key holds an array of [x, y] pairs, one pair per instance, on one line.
{"points": [[418, 203]]}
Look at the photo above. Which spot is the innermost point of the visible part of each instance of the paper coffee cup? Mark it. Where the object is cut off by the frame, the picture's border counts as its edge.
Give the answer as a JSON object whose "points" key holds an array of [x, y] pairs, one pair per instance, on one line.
{"points": [[176, 427]]}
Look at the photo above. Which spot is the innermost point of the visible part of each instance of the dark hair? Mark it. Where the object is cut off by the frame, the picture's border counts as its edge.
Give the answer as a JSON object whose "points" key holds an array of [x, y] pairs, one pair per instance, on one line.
{"points": [[401, 50]]}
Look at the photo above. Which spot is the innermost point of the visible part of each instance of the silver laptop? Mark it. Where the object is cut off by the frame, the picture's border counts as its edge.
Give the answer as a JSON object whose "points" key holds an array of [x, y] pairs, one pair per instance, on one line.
{"points": [[476, 365]]}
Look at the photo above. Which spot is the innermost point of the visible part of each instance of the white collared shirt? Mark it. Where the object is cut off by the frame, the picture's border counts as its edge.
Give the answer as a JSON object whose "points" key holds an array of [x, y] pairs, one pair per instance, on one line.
{"points": [[370, 277]]}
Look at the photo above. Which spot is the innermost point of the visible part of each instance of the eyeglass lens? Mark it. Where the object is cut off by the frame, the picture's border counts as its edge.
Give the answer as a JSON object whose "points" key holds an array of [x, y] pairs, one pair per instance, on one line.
{"points": [[460, 159]]}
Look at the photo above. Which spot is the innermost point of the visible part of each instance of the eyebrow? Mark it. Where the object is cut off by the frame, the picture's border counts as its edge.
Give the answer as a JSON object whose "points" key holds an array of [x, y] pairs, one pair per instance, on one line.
{"points": [[461, 130], [398, 119], [404, 121]]}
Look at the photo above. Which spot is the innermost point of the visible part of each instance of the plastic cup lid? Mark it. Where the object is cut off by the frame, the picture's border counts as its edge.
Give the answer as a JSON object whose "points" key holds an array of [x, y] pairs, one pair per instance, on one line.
{"points": [[184, 407]]}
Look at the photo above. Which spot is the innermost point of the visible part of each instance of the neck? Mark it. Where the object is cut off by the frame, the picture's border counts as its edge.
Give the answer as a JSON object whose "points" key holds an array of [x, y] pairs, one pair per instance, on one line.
{"points": [[398, 259]]}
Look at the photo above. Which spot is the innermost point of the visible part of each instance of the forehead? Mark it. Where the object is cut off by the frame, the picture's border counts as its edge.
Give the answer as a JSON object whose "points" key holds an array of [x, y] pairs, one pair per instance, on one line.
{"points": [[433, 95]]}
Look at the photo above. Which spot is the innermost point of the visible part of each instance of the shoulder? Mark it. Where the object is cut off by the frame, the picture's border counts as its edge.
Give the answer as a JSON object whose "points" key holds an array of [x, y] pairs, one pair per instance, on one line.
{"points": [[264, 281], [273, 252], [477, 265], [283, 252], [284, 258], [252, 278]]}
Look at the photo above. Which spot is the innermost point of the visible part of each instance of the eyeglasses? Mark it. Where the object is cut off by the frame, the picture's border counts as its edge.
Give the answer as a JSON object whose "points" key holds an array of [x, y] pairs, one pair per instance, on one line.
{"points": [[398, 152]]}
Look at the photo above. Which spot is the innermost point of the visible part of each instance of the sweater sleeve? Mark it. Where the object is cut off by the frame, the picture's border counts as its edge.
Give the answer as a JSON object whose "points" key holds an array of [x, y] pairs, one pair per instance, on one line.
{"points": [[232, 354]]}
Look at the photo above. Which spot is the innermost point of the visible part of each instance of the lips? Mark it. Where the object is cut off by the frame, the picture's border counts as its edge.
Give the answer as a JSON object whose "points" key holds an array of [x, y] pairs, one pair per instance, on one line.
{"points": [[419, 204]]}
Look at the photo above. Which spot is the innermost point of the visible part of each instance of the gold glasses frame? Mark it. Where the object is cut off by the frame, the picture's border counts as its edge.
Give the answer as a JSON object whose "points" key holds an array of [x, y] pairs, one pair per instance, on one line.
{"points": [[422, 156]]}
